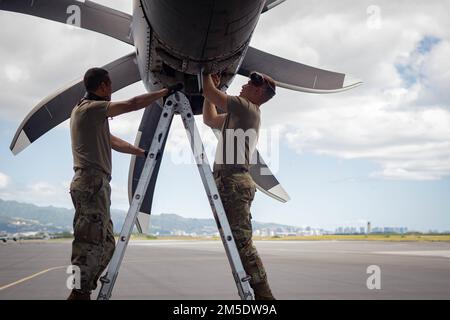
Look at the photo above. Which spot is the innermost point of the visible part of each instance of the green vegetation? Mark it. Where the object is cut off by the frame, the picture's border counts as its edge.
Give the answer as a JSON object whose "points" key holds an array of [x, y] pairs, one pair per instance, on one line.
{"points": [[371, 237], [62, 235], [136, 236]]}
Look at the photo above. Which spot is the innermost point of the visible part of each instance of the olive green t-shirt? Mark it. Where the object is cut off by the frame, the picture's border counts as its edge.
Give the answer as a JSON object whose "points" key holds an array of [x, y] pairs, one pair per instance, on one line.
{"points": [[91, 140], [239, 134]]}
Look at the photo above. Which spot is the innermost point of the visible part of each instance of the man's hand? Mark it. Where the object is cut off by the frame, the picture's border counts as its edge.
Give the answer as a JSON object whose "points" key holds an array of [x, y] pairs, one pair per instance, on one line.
{"points": [[142, 153], [216, 80], [214, 95]]}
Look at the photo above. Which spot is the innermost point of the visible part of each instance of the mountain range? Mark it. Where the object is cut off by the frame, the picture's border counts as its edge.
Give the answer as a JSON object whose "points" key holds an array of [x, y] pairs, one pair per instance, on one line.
{"points": [[16, 217]]}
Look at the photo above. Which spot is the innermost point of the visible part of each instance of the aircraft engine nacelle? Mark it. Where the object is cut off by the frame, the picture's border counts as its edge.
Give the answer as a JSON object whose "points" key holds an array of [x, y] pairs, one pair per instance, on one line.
{"points": [[206, 34]]}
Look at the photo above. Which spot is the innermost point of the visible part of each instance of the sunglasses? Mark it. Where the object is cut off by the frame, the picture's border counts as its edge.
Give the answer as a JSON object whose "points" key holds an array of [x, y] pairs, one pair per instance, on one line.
{"points": [[258, 80]]}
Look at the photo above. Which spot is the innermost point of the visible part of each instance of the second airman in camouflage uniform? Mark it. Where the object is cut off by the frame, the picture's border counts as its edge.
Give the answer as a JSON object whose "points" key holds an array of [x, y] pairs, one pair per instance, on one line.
{"points": [[241, 123]]}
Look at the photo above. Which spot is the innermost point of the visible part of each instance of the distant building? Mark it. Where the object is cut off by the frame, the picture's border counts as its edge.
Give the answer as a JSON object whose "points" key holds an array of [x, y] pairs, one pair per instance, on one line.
{"points": [[368, 227]]}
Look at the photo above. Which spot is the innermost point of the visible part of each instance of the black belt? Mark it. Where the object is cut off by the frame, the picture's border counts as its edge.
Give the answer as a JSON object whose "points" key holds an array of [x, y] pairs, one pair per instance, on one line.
{"points": [[94, 171]]}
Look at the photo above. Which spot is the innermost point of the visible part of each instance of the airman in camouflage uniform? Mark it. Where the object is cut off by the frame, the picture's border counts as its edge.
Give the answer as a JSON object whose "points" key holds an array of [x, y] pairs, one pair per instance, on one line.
{"points": [[93, 244], [237, 192], [233, 160]]}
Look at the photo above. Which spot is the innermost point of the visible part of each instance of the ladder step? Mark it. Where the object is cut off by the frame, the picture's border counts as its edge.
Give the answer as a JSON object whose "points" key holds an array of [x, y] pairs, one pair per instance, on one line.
{"points": [[105, 279]]}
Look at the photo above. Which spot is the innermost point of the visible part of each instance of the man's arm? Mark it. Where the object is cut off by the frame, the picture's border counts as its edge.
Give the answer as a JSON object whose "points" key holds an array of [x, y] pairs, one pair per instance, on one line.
{"points": [[213, 94], [122, 146], [136, 103], [210, 116]]}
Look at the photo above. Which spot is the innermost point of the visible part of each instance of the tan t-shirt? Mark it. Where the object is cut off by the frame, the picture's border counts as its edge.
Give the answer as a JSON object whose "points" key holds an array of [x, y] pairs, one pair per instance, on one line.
{"points": [[91, 140], [239, 134]]}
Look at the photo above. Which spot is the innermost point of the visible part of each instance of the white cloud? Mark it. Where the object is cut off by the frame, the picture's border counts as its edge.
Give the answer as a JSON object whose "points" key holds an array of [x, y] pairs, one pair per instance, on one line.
{"points": [[119, 196], [4, 180], [44, 193], [15, 74], [40, 193], [44, 189], [401, 123], [126, 126], [436, 74]]}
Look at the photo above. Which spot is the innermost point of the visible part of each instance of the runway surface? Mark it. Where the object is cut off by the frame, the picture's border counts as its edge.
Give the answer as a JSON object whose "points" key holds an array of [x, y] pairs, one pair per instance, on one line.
{"points": [[188, 270]]}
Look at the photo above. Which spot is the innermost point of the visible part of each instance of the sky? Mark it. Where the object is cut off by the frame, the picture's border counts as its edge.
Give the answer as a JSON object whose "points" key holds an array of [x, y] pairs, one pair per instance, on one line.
{"points": [[378, 153]]}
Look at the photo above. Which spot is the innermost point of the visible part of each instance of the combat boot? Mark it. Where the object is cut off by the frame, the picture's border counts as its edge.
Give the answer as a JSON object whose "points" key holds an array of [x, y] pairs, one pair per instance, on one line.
{"points": [[79, 295], [262, 291]]}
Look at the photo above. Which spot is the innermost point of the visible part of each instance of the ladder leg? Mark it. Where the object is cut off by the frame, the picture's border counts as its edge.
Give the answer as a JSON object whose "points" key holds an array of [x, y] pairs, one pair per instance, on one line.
{"points": [[161, 132], [241, 278]]}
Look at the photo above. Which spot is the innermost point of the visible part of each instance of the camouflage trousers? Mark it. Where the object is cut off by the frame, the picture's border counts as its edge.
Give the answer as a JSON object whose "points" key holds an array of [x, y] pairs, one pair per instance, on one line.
{"points": [[94, 243], [237, 191]]}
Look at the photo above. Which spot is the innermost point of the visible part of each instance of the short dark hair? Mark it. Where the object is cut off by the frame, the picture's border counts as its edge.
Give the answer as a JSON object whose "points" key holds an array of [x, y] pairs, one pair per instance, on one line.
{"points": [[271, 86], [94, 77]]}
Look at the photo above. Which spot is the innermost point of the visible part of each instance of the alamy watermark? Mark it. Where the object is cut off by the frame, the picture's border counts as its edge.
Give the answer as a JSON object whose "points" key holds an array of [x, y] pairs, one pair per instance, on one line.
{"points": [[235, 147], [74, 16], [74, 279], [374, 19], [374, 280]]}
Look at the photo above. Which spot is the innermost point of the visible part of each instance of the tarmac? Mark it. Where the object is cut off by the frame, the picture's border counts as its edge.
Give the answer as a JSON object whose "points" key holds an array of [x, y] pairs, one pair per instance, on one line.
{"points": [[199, 270]]}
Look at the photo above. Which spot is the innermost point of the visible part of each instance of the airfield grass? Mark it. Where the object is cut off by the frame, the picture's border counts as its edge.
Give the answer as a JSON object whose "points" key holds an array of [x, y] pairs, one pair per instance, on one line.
{"points": [[372, 237]]}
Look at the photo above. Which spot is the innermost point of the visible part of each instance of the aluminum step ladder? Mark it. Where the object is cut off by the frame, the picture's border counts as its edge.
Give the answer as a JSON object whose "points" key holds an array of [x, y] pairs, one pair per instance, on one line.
{"points": [[178, 103]]}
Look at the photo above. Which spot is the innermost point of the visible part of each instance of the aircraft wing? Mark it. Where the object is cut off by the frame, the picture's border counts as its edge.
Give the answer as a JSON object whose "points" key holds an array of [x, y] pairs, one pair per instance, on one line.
{"points": [[296, 76], [92, 16], [57, 108]]}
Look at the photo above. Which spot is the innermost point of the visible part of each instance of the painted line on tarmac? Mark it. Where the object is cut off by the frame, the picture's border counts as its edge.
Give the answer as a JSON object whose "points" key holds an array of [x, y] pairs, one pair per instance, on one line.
{"points": [[30, 277]]}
